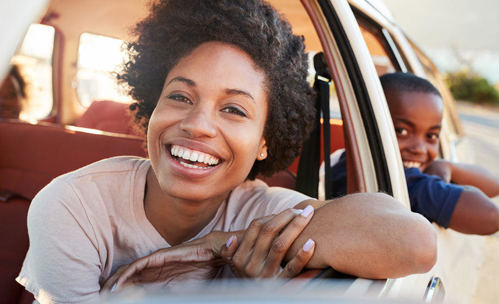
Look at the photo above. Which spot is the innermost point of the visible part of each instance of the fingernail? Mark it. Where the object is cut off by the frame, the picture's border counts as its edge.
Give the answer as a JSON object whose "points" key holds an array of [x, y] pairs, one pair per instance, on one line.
{"points": [[229, 241], [297, 211], [307, 211], [308, 245], [114, 287]]}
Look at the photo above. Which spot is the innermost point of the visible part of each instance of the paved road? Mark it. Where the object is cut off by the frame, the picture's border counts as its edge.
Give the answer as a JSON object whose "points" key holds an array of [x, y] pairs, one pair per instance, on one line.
{"points": [[481, 125]]}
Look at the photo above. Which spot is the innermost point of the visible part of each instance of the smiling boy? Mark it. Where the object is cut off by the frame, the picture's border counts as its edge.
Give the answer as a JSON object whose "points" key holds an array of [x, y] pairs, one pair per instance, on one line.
{"points": [[451, 194]]}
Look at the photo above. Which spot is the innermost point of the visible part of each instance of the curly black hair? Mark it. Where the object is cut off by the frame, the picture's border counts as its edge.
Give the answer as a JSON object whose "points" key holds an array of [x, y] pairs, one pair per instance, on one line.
{"points": [[174, 28]]}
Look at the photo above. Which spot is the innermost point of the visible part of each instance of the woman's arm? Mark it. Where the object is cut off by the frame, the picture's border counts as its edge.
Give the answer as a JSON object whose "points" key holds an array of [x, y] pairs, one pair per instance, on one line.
{"points": [[369, 235], [466, 174], [475, 213]]}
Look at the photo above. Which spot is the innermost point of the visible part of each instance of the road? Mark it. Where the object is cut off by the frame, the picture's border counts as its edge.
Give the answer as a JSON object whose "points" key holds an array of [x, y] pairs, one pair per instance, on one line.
{"points": [[481, 125]]}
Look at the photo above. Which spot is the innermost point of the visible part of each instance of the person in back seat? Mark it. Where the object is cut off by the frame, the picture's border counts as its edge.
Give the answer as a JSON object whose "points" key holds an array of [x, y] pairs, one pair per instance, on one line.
{"points": [[451, 194], [12, 93], [222, 94]]}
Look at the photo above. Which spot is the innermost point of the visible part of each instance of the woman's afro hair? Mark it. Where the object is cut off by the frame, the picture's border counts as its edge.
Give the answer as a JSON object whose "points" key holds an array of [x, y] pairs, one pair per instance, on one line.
{"points": [[174, 28]]}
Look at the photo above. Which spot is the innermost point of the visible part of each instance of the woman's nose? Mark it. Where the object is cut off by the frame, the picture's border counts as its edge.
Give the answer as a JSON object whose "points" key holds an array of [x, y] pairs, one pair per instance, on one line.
{"points": [[199, 123]]}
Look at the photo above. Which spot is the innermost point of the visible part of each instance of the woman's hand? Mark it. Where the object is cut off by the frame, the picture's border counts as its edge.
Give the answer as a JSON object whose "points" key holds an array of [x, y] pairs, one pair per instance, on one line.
{"points": [[197, 260], [265, 243]]}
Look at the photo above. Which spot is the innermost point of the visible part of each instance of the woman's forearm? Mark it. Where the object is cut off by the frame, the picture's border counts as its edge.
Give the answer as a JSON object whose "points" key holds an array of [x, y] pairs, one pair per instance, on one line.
{"points": [[369, 235]]}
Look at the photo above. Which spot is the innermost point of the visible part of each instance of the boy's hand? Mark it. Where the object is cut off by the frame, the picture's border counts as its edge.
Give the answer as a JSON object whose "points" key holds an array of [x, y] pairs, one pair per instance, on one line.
{"points": [[440, 168]]}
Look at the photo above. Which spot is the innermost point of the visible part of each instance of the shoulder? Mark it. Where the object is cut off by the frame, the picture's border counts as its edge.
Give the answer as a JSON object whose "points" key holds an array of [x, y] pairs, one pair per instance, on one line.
{"points": [[259, 191], [119, 164], [81, 191], [254, 199]]}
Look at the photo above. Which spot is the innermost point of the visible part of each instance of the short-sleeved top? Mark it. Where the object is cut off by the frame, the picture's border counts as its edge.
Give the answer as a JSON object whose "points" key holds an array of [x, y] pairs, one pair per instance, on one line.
{"points": [[85, 224], [429, 194]]}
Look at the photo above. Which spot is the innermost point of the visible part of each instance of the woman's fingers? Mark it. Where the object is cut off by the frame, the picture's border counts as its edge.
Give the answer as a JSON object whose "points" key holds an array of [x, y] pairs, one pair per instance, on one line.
{"points": [[296, 264], [245, 249], [270, 244], [111, 281], [281, 244]]}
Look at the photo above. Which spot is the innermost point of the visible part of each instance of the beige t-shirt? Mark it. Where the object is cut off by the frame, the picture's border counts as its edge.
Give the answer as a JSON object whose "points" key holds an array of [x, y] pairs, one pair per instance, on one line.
{"points": [[85, 224]]}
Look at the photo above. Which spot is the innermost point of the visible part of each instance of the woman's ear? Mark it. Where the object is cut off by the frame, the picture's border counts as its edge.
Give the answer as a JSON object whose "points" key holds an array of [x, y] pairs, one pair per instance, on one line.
{"points": [[262, 150]]}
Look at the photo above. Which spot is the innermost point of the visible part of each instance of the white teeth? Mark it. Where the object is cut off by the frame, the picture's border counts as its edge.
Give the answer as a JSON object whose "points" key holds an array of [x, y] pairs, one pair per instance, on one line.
{"points": [[410, 164], [201, 158], [194, 156], [193, 166]]}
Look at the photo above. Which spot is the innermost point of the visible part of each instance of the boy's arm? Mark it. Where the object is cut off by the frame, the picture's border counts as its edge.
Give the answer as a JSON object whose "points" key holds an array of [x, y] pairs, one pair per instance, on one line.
{"points": [[475, 213], [465, 174]]}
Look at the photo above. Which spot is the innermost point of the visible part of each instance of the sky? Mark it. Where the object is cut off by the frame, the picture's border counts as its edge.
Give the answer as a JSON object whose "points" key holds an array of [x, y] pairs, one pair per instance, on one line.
{"points": [[453, 31]]}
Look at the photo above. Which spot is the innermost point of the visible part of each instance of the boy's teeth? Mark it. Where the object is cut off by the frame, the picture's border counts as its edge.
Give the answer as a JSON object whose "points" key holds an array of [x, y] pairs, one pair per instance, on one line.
{"points": [[412, 164], [194, 156]]}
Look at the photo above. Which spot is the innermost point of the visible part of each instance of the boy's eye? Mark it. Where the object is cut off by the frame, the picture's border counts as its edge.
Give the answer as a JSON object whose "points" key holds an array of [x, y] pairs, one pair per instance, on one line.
{"points": [[433, 136], [401, 131], [234, 110], [180, 98]]}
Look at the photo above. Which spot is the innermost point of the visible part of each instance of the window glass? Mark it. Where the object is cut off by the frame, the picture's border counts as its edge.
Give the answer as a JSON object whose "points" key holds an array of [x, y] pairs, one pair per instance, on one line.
{"points": [[98, 60], [379, 56], [34, 61], [382, 53]]}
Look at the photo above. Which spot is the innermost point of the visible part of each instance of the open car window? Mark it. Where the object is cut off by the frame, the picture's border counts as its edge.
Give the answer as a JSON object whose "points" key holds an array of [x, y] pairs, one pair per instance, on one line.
{"points": [[99, 58], [34, 60]]}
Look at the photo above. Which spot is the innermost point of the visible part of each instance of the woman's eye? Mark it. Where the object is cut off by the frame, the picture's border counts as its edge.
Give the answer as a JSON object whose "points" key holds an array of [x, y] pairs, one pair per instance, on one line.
{"points": [[401, 131], [234, 110], [180, 98]]}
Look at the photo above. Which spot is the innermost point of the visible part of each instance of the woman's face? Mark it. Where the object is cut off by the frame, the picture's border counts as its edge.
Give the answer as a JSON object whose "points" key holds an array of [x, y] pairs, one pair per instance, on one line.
{"points": [[207, 129]]}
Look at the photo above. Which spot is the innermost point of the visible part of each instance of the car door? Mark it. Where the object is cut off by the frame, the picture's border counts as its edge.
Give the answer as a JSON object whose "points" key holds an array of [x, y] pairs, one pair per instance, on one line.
{"points": [[348, 29]]}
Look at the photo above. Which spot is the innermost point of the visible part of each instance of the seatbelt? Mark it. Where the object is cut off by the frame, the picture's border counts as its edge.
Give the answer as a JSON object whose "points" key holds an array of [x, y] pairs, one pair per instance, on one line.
{"points": [[307, 179]]}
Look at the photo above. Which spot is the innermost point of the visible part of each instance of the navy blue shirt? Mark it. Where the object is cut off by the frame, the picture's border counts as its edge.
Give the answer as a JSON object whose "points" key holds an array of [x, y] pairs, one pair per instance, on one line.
{"points": [[429, 194]]}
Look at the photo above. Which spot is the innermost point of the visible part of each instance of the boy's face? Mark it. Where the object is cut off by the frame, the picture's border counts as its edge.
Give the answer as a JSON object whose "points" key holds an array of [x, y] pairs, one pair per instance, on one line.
{"points": [[417, 118]]}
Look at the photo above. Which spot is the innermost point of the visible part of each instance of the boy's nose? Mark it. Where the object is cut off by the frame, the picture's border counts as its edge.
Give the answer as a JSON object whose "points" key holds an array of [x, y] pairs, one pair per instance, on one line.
{"points": [[418, 146], [199, 123]]}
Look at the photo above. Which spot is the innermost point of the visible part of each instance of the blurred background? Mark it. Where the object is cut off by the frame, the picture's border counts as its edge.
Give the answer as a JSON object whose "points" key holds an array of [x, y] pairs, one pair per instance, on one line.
{"points": [[461, 37]]}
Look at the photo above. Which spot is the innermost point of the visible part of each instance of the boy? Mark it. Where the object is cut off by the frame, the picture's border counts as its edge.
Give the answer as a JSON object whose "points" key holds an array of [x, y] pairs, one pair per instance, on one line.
{"points": [[450, 194]]}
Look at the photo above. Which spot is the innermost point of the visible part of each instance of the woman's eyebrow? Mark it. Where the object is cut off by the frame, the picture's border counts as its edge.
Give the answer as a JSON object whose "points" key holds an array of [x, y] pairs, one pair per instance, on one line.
{"points": [[187, 81], [239, 92]]}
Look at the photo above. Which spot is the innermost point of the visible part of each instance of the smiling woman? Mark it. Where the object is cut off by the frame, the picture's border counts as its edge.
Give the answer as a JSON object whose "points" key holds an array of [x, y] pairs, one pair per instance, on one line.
{"points": [[222, 95]]}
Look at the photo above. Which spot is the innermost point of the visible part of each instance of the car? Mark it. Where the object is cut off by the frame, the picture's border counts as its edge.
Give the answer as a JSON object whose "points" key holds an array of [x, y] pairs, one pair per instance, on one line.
{"points": [[75, 114]]}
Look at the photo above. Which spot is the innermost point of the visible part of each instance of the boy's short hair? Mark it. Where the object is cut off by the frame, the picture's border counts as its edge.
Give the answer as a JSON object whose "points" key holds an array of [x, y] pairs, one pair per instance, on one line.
{"points": [[407, 82]]}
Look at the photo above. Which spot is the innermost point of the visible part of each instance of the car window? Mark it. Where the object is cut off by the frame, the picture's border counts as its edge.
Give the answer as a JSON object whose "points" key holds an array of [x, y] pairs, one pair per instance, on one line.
{"points": [[98, 59], [383, 49], [34, 59]]}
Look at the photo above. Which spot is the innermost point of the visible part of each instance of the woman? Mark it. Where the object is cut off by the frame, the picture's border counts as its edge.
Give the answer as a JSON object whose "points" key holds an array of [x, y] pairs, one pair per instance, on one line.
{"points": [[221, 91]]}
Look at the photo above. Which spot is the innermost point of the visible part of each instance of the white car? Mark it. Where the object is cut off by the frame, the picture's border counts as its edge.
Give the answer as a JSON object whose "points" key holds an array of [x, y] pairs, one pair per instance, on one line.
{"points": [[72, 46]]}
